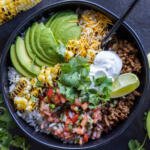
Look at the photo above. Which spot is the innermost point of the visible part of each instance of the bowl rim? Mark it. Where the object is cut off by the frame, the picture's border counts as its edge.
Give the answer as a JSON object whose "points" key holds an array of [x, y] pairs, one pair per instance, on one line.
{"points": [[103, 9]]}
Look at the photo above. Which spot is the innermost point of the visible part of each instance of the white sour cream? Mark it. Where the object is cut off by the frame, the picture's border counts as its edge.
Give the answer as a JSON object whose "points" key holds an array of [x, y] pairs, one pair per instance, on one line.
{"points": [[106, 63]]}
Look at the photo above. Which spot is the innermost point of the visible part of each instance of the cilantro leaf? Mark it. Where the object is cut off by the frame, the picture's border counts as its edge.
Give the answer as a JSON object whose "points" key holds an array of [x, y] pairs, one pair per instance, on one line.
{"points": [[69, 92], [104, 87], [72, 80], [135, 145], [19, 142]]}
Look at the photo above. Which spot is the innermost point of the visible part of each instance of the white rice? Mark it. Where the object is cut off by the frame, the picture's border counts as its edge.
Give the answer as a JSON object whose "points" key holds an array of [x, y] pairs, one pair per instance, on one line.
{"points": [[33, 118], [13, 77]]}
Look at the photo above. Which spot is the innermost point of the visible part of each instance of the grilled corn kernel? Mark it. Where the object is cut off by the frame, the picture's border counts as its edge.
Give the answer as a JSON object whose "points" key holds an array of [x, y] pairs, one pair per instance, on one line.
{"points": [[27, 96], [10, 8], [41, 77], [21, 103], [33, 81], [49, 80], [69, 54], [30, 106], [35, 92], [47, 72]]}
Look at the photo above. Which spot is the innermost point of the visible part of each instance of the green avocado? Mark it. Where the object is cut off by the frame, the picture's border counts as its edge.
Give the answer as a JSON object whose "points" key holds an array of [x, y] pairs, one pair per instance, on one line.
{"points": [[16, 63], [72, 33], [30, 50], [51, 19], [49, 46], [43, 61], [39, 49], [47, 39], [57, 16], [24, 58], [64, 27], [72, 18]]}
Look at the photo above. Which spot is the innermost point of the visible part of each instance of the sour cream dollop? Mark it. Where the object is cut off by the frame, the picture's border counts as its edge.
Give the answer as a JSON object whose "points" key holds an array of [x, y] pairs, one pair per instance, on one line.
{"points": [[106, 63]]}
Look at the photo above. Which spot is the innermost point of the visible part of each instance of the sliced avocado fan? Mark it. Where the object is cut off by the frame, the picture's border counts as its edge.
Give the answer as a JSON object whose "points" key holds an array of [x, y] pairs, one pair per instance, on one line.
{"points": [[24, 58], [16, 63]]}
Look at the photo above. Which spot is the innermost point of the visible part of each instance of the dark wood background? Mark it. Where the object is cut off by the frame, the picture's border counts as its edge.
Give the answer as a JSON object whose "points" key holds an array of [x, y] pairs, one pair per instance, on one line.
{"points": [[139, 20]]}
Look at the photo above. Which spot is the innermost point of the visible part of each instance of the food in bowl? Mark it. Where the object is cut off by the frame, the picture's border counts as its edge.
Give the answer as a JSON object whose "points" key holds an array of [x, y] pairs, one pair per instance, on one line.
{"points": [[63, 84]]}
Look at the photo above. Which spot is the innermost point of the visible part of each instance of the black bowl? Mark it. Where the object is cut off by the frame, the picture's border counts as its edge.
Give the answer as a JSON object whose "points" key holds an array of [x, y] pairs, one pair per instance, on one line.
{"points": [[49, 140]]}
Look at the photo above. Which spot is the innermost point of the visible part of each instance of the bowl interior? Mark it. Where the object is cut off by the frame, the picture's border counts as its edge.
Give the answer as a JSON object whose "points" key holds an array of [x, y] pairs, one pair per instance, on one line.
{"points": [[42, 16]]}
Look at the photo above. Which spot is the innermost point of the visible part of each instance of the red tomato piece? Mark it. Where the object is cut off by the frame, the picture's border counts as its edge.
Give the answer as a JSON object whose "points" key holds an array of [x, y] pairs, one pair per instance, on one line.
{"points": [[50, 92], [85, 138], [75, 118]]}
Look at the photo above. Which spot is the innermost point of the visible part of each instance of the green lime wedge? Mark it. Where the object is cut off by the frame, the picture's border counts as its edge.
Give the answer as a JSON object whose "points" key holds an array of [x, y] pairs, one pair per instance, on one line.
{"points": [[124, 84]]}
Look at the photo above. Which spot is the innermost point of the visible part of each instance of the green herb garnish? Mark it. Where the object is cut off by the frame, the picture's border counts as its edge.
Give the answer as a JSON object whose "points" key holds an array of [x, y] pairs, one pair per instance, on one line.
{"points": [[74, 82], [136, 145], [52, 106]]}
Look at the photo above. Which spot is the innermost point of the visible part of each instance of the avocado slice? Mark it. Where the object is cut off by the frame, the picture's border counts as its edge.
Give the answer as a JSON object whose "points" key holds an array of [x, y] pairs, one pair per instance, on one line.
{"points": [[24, 58], [43, 61], [70, 32], [50, 46], [38, 49], [29, 49], [47, 39], [57, 16], [72, 18], [16, 63], [51, 19]]}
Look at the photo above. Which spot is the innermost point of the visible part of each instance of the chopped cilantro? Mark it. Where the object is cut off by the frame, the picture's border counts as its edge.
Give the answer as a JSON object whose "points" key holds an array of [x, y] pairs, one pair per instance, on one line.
{"points": [[74, 82], [52, 106]]}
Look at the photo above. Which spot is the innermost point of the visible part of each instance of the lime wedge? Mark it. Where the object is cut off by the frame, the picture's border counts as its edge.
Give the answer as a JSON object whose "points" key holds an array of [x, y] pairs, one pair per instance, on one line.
{"points": [[124, 84]]}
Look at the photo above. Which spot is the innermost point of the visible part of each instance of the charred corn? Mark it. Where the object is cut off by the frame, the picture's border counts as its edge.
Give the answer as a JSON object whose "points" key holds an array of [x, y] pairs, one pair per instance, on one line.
{"points": [[10, 8]]}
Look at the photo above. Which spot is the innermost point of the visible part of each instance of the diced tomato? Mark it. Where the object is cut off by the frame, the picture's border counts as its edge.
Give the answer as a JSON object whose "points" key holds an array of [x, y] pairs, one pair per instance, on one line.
{"points": [[63, 99], [75, 118], [67, 113], [79, 130], [50, 92], [77, 102], [68, 121], [73, 107], [84, 121], [85, 138], [56, 99], [84, 105]]}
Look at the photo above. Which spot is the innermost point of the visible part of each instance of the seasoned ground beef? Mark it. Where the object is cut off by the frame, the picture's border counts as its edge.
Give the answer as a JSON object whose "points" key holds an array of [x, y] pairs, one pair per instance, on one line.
{"points": [[128, 54]]}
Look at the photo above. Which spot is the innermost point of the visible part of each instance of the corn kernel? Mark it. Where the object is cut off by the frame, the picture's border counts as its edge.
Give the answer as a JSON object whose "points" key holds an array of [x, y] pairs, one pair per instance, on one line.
{"points": [[21, 103], [41, 77]]}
